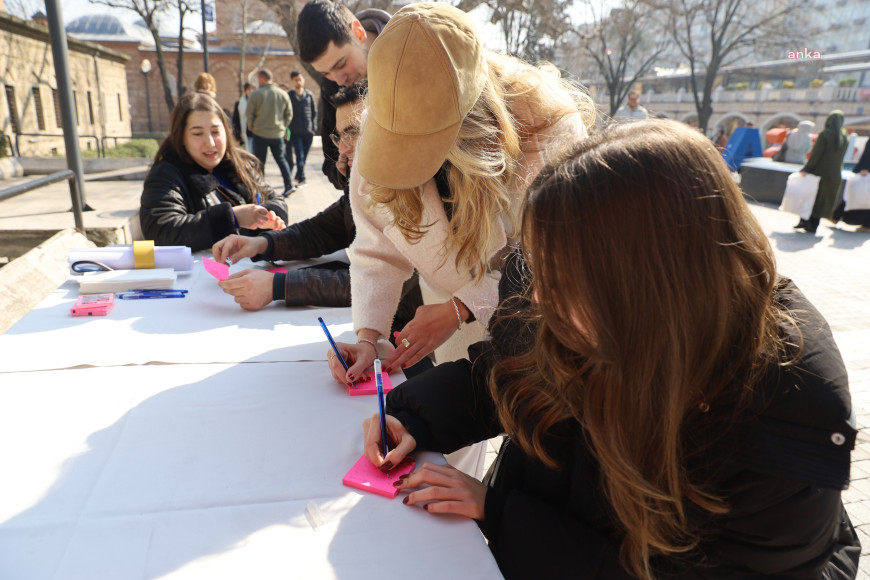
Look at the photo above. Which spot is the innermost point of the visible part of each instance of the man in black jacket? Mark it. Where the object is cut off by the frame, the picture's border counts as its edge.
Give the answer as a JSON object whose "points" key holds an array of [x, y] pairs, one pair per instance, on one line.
{"points": [[329, 231], [336, 43]]}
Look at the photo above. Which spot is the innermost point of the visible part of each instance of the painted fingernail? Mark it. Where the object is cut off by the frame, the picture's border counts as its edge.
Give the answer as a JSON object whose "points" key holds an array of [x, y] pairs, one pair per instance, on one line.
{"points": [[426, 506], [399, 482], [406, 500], [386, 466], [395, 333], [405, 476], [351, 377]]}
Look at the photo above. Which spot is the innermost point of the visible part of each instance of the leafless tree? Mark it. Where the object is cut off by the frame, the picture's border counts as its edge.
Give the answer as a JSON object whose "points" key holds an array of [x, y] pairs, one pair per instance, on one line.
{"points": [[24, 9], [711, 34], [621, 41], [183, 8], [531, 29], [150, 12]]}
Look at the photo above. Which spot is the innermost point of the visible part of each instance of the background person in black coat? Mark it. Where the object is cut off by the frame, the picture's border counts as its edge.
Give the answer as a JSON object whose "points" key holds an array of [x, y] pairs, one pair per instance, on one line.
{"points": [[674, 408], [859, 217], [202, 187]]}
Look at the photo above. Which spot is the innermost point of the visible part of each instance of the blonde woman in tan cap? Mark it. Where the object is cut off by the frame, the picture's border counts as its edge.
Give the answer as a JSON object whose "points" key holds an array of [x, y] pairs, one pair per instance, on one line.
{"points": [[453, 135]]}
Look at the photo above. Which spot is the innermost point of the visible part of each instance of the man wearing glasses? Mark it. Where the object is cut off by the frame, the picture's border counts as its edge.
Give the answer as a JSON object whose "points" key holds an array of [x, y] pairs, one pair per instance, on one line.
{"points": [[331, 230]]}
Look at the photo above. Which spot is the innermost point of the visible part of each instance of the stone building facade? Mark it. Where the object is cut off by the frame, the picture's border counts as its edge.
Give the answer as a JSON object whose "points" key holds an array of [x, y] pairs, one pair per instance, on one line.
{"points": [[29, 103]]}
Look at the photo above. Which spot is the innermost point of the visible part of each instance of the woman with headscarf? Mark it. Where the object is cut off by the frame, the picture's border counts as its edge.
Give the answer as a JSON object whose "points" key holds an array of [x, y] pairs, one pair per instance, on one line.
{"points": [[799, 143], [826, 161]]}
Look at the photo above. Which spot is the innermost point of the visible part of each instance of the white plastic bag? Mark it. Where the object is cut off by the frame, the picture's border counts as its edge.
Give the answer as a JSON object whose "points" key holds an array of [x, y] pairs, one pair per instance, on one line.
{"points": [[856, 194], [800, 194]]}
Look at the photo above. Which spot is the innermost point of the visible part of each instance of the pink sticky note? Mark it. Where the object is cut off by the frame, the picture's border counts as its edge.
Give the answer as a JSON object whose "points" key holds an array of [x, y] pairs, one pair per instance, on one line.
{"points": [[219, 271], [370, 387], [365, 476], [278, 270]]}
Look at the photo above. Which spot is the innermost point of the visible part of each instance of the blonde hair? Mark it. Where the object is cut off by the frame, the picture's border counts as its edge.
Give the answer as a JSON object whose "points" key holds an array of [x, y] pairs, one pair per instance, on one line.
{"points": [[518, 100], [654, 289]]}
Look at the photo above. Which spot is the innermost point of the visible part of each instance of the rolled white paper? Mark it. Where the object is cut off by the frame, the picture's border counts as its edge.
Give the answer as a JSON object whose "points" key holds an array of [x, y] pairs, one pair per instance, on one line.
{"points": [[121, 257]]}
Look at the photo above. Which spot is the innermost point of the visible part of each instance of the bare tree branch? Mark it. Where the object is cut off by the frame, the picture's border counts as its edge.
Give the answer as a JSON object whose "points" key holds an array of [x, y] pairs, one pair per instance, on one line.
{"points": [[618, 40], [711, 34], [149, 11]]}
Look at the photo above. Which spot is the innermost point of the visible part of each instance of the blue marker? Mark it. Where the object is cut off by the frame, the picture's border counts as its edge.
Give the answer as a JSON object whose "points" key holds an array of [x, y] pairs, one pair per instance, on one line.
{"points": [[380, 383], [150, 295], [334, 347], [258, 198]]}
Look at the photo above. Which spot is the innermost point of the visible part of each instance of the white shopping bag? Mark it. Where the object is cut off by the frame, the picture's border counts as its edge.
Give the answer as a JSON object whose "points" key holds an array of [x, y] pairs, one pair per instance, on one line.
{"points": [[800, 194], [856, 194]]}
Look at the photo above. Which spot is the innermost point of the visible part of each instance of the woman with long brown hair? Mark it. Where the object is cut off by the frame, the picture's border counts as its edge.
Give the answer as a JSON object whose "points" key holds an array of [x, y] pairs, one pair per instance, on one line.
{"points": [[202, 187], [673, 407]]}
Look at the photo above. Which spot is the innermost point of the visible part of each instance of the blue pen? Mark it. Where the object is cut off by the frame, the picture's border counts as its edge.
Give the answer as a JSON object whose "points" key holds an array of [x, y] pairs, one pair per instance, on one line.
{"points": [[157, 290], [380, 383], [147, 296], [334, 347], [258, 199]]}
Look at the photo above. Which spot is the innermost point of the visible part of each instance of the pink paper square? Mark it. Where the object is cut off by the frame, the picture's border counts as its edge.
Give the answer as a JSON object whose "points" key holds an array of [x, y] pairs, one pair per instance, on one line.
{"points": [[366, 477], [219, 271], [278, 270], [370, 387]]}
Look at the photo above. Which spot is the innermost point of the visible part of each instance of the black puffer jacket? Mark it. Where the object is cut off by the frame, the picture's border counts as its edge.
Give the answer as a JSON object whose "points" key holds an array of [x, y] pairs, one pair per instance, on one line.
{"points": [[331, 230], [781, 468], [182, 204], [327, 232]]}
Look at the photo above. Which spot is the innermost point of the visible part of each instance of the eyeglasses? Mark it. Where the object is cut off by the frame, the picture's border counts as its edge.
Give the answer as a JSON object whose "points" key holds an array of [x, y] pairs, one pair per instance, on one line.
{"points": [[347, 136]]}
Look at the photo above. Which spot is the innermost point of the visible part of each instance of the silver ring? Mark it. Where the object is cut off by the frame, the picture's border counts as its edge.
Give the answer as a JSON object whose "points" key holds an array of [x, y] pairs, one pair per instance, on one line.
{"points": [[406, 343]]}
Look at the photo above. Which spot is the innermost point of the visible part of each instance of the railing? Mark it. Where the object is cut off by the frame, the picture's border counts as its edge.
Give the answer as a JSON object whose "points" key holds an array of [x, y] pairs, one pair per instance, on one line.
{"points": [[825, 94], [54, 136], [66, 174], [9, 147]]}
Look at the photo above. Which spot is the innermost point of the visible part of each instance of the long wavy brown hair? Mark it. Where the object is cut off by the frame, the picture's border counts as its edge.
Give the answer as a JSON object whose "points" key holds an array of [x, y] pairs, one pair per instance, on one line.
{"points": [[653, 293], [244, 164], [518, 100]]}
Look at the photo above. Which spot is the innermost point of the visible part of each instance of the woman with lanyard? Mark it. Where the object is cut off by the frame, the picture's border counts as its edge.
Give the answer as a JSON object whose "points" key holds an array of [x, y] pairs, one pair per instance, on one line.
{"points": [[203, 188]]}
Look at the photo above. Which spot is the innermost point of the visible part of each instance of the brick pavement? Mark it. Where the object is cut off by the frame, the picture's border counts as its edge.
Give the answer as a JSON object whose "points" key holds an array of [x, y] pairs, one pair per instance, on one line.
{"points": [[833, 270]]}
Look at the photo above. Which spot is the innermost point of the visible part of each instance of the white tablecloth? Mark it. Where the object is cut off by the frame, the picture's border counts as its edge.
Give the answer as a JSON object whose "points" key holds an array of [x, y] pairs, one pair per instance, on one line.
{"points": [[206, 326], [204, 471], [201, 467]]}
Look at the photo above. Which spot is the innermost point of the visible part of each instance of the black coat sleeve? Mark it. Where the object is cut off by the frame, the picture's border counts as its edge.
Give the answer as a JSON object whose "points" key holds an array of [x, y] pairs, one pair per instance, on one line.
{"points": [[329, 231], [324, 287], [537, 540], [167, 214], [864, 162], [450, 406], [330, 151]]}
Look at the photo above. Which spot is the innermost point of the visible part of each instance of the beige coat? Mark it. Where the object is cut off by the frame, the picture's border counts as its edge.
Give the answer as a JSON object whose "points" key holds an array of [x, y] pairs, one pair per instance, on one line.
{"points": [[381, 259]]}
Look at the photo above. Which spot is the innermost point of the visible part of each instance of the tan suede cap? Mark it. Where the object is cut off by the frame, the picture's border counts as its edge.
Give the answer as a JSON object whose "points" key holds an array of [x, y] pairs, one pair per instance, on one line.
{"points": [[425, 71]]}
